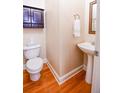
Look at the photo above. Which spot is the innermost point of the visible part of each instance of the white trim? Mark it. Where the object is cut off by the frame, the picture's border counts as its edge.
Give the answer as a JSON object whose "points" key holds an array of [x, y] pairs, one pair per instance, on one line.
{"points": [[55, 74], [84, 67], [61, 79], [70, 74]]}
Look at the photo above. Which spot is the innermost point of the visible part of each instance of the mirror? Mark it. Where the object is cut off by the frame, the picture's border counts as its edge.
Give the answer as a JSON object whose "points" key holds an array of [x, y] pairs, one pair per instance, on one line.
{"points": [[92, 17]]}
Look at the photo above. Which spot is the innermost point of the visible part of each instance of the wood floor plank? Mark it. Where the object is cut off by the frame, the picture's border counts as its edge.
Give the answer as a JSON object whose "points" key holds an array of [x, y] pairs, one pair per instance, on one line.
{"points": [[48, 84]]}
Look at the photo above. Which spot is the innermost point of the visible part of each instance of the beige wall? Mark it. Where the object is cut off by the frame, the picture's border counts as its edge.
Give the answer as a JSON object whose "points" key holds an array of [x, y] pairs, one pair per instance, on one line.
{"points": [[71, 56], [52, 34], [37, 35], [62, 52]]}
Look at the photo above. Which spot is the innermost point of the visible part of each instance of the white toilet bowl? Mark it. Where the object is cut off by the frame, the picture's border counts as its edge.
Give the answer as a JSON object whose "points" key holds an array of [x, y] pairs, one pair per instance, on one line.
{"points": [[34, 66]]}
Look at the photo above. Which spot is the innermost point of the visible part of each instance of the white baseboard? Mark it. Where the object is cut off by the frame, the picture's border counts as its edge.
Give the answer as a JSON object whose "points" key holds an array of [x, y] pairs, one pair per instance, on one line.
{"points": [[64, 78], [84, 67], [70, 74], [55, 74]]}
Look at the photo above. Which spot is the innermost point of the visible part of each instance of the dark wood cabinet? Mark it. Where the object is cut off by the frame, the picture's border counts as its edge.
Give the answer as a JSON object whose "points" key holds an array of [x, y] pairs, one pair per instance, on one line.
{"points": [[33, 17]]}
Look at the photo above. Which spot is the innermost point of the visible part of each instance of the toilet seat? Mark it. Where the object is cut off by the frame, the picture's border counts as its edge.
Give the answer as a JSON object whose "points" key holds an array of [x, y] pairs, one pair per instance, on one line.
{"points": [[34, 65]]}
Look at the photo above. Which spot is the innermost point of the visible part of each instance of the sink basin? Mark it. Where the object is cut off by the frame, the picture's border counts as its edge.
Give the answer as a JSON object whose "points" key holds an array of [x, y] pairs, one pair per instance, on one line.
{"points": [[87, 48]]}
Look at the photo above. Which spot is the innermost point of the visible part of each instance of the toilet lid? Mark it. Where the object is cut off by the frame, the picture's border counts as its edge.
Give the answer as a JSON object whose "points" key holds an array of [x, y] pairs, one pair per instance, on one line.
{"points": [[34, 64]]}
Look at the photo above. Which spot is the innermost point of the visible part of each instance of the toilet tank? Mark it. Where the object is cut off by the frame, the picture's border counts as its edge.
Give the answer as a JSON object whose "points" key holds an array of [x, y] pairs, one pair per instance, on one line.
{"points": [[31, 51]]}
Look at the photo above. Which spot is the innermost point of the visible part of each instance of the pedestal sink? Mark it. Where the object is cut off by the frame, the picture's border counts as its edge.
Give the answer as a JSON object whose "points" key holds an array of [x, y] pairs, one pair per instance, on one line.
{"points": [[89, 49]]}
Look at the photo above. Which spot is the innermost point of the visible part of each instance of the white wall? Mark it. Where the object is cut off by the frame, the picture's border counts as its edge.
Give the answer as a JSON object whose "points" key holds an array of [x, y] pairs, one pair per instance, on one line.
{"points": [[35, 3], [37, 35]]}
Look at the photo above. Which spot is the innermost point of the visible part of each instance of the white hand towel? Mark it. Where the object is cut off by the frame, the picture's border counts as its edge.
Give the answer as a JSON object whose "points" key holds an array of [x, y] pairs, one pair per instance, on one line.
{"points": [[76, 32]]}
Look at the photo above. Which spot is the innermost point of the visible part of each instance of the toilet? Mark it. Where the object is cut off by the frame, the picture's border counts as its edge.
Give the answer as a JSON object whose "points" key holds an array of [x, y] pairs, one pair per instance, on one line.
{"points": [[34, 63]]}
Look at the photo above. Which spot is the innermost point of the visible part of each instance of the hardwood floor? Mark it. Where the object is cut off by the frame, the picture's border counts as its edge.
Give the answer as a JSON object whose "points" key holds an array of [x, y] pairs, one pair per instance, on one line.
{"points": [[48, 84]]}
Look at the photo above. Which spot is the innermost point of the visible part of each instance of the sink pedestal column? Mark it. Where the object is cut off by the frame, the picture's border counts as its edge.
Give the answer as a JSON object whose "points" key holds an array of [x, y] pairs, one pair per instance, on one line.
{"points": [[89, 70]]}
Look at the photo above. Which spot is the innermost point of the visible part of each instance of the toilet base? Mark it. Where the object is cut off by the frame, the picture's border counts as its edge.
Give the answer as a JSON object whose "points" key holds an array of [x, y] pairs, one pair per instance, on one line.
{"points": [[35, 76]]}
